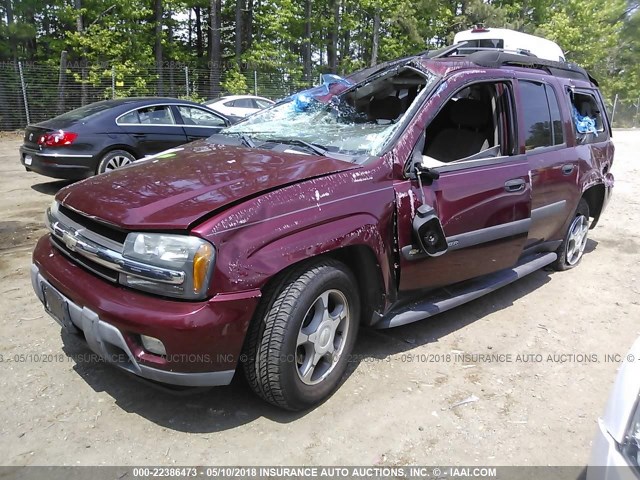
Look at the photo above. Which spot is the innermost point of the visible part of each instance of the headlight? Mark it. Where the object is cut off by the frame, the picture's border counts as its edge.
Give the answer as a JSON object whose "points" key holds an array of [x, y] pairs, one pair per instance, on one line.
{"points": [[631, 446], [192, 256]]}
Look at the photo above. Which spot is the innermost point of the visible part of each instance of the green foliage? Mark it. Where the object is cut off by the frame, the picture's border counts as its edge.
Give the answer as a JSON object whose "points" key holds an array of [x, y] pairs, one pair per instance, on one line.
{"points": [[234, 82], [601, 35]]}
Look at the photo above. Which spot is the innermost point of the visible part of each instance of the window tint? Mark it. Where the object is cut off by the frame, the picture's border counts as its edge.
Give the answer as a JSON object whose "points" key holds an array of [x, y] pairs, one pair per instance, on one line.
{"points": [[131, 117], [199, 117], [156, 115], [556, 119], [230, 103], [244, 103], [263, 103], [536, 114]]}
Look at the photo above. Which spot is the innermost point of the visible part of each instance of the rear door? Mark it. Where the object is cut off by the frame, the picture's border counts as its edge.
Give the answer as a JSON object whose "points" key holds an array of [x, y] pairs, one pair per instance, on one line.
{"points": [[554, 166], [197, 122], [153, 128]]}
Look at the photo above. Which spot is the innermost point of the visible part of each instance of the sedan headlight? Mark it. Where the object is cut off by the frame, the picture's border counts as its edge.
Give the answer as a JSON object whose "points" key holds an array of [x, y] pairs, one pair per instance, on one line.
{"points": [[188, 262], [631, 446]]}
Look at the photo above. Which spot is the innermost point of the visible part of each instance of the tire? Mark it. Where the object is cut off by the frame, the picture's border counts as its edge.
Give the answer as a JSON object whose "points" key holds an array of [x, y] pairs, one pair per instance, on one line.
{"points": [[572, 247], [293, 328], [113, 160]]}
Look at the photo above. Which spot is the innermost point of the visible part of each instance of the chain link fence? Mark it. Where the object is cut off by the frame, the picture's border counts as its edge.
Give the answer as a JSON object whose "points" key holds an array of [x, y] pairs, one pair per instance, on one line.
{"points": [[31, 92], [624, 112]]}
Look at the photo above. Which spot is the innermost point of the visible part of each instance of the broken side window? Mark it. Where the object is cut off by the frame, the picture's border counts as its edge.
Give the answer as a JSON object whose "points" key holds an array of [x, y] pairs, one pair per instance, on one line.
{"points": [[587, 117]]}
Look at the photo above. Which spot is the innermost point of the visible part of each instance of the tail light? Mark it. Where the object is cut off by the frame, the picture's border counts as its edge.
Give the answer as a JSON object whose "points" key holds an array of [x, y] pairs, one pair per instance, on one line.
{"points": [[57, 139]]}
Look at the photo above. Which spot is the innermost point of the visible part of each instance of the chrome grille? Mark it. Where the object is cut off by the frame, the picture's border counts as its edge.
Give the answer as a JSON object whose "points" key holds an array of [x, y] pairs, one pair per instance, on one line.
{"points": [[100, 254]]}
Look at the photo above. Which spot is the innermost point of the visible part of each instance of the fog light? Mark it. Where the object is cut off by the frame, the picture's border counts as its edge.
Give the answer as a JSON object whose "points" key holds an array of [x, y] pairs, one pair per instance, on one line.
{"points": [[153, 345]]}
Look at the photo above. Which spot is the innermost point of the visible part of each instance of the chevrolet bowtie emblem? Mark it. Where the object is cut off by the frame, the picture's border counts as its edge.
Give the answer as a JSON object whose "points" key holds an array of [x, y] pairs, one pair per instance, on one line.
{"points": [[70, 241]]}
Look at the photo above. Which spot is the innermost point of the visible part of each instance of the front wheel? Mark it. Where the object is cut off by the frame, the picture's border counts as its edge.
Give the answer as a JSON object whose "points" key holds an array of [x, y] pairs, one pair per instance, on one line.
{"points": [[572, 247], [299, 344]]}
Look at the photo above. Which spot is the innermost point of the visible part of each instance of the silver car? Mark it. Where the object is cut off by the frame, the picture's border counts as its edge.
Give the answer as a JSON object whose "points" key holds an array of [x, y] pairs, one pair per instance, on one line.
{"points": [[616, 449]]}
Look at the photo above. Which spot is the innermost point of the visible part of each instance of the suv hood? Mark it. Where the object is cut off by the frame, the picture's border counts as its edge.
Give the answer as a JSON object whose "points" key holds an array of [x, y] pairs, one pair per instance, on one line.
{"points": [[178, 187]]}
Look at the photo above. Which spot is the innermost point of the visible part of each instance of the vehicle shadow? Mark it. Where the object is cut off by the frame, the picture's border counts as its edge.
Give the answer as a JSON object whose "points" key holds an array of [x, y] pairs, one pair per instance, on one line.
{"points": [[223, 408], [51, 188]]}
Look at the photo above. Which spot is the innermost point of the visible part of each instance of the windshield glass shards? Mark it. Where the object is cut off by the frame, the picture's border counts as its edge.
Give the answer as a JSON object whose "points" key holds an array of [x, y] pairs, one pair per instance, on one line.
{"points": [[357, 122]]}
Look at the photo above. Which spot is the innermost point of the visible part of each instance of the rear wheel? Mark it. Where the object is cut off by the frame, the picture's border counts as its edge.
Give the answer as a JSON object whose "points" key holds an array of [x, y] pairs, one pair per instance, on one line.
{"points": [[572, 248], [299, 344], [115, 159]]}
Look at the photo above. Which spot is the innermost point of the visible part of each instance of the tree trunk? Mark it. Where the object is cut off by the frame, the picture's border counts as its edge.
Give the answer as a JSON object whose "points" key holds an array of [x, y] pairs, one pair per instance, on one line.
{"points": [[62, 80], [172, 85], [345, 47], [214, 48], [199, 43], [332, 45], [157, 13], [12, 40], [77, 4], [239, 28], [306, 50], [248, 24], [376, 38]]}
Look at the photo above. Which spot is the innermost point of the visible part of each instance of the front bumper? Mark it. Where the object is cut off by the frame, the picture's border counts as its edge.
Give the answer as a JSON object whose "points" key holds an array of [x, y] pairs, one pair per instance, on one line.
{"points": [[58, 164], [606, 461], [203, 339]]}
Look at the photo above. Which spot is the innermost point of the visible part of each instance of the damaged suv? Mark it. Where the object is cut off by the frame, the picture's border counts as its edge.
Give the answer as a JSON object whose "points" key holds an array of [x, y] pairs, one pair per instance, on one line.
{"points": [[377, 200]]}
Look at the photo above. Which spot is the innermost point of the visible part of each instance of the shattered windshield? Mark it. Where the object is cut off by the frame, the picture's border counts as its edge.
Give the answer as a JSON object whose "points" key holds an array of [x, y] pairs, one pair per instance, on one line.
{"points": [[357, 122]]}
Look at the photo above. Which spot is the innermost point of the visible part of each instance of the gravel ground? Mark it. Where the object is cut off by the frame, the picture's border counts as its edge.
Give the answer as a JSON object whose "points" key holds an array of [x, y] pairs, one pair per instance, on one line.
{"points": [[538, 406]]}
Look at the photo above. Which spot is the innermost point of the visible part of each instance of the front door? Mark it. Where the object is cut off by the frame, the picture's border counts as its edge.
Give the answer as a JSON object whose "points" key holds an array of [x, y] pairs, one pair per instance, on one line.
{"points": [[197, 122], [153, 129], [482, 196], [485, 211]]}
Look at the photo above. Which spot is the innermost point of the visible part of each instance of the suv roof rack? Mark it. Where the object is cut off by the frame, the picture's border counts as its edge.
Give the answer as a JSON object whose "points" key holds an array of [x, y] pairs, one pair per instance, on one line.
{"points": [[496, 58]]}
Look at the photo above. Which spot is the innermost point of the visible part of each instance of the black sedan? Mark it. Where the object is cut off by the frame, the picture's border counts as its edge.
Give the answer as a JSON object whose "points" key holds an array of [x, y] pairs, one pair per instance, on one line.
{"points": [[107, 135]]}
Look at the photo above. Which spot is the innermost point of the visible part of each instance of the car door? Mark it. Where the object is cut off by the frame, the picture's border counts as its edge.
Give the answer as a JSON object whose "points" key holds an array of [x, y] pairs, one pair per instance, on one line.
{"points": [[483, 205], [153, 128], [198, 122], [554, 166]]}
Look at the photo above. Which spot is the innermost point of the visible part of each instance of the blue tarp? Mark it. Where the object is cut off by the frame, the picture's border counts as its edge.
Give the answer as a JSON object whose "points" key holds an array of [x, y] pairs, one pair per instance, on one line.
{"points": [[584, 124]]}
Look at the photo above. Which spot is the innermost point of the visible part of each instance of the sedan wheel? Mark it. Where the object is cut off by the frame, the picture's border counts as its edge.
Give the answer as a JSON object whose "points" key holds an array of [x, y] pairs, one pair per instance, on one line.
{"points": [[114, 160]]}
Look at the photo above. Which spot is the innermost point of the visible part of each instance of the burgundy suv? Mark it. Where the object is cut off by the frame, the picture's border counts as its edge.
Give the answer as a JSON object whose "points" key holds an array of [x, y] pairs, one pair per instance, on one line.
{"points": [[379, 200]]}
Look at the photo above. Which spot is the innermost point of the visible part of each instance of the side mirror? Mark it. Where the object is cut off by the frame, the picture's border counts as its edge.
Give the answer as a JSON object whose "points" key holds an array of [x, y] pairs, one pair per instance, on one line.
{"points": [[428, 231], [425, 172]]}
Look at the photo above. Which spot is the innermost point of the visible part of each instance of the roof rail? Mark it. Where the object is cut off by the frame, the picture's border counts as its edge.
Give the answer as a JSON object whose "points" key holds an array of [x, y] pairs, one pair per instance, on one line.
{"points": [[498, 58]]}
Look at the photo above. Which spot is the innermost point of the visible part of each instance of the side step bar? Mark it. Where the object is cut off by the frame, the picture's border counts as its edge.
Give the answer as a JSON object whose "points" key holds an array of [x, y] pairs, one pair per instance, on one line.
{"points": [[447, 298]]}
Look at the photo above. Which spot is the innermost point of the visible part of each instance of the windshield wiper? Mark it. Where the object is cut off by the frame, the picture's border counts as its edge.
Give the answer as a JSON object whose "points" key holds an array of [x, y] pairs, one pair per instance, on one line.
{"points": [[317, 149], [246, 139]]}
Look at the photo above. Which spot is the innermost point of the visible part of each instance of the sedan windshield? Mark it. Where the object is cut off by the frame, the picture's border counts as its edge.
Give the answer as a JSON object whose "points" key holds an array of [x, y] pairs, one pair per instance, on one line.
{"points": [[357, 123]]}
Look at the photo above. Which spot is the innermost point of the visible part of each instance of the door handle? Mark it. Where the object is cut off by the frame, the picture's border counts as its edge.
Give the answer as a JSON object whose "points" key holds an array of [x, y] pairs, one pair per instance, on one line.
{"points": [[567, 168], [514, 185], [192, 137], [139, 135]]}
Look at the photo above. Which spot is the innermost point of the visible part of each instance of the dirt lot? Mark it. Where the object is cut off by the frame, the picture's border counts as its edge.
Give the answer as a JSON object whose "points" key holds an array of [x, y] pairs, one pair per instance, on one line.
{"points": [[394, 408]]}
